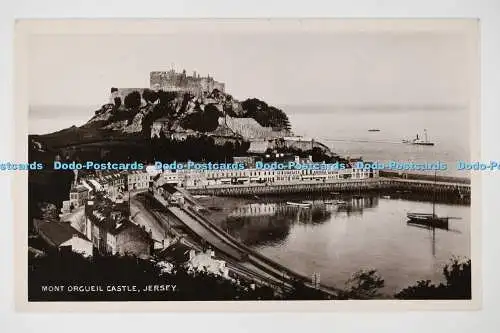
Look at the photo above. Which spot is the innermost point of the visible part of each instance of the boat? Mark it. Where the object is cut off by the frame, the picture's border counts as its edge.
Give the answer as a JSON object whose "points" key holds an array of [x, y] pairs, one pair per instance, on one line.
{"points": [[420, 142], [330, 202], [429, 219], [373, 130], [341, 202], [386, 196], [299, 204]]}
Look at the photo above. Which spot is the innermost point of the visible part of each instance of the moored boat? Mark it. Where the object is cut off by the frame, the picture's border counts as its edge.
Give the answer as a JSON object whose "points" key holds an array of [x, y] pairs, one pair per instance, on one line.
{"points": [[299, 204], [431, 220]]}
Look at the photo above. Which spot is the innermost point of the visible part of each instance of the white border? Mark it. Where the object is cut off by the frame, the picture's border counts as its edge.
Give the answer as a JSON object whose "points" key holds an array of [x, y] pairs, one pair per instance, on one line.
{"points": [[487, 11]]}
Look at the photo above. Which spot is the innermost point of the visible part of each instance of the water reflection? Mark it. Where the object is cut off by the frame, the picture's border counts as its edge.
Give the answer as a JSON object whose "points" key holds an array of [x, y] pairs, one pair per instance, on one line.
{"points": [[432, 231], [269, 223], [337, 240]]}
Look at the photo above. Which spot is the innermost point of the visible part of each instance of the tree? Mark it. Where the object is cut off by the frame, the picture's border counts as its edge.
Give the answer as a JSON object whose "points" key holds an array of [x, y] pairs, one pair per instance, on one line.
{"points": [[203, 121], [457, 274], [265, 115], [118, 102], [364, 284], [133, 100], [166, 96], [149, 95], [69, 269]]}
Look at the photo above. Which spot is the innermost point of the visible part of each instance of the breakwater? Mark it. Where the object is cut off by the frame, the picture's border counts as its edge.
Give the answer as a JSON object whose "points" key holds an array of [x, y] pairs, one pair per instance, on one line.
{"points": [[418, 176], [440, 190]]}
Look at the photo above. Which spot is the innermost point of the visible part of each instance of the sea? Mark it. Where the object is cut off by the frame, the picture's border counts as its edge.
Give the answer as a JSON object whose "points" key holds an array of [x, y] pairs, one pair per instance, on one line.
{"points": [[44, 119], [346, 132]]}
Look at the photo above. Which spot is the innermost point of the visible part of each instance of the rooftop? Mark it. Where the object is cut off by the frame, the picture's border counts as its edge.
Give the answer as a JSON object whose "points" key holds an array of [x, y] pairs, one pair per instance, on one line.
{"points": [[178, 253], [58, 232]]}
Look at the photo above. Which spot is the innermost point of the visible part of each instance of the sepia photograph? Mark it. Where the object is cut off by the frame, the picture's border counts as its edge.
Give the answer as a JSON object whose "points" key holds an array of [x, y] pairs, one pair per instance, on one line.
{"points": [[249, 160]]}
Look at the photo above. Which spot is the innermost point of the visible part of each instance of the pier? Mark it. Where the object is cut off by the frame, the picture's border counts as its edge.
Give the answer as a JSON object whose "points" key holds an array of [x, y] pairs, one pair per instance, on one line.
{"points": [[444, 190]]}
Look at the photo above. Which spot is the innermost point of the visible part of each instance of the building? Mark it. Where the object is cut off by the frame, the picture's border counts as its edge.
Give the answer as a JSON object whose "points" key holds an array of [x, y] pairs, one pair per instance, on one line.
{"points": [[247, 161], [78, 195], [170, 177], [63, 237], [159, 126], [171, 194], [108, 227], [205, 262], [199, 178], [176, 253], [181, 82], [180, 254], [137, 180], [113, 182], [259, 146]]}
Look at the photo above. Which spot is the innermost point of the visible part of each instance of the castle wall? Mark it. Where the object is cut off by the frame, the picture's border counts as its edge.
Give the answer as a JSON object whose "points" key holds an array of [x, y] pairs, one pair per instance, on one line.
{"points": [[172, 81]]}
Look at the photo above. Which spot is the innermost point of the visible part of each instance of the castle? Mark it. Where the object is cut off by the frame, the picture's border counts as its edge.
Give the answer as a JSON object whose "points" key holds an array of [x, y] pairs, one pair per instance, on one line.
{"points": [[172, 81]]}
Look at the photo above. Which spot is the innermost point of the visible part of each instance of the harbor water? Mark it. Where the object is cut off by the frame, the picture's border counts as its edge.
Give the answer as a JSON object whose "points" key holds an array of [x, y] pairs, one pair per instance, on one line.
{"points": [[336, 241]]}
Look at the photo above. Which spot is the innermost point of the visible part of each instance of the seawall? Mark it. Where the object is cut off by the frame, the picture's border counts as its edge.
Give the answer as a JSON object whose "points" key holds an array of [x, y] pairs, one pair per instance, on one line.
{"points": [[427, 177], [439, 190]]}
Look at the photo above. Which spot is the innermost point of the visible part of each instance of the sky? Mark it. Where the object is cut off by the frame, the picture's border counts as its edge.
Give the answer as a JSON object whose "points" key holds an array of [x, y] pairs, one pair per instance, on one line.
{"points": [[299, 68]]}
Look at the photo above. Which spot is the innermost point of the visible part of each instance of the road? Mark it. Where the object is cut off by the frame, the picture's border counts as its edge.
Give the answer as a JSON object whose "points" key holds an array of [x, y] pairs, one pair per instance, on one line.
{"points": [[140, 215]]}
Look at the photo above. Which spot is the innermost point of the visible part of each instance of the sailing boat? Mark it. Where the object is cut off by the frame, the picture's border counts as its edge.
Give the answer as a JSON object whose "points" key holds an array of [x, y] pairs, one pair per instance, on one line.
{"points": [[427, 219], [418, 141]]}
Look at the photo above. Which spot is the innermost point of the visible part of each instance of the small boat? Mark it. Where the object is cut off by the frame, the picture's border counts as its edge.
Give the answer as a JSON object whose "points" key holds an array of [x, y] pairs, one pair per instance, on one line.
{"points": [[373, 130], [330, 202], [431, 220], [419, 142], [341, 202], [298, 204], [386, 196], [403, 191], [308, 202]]}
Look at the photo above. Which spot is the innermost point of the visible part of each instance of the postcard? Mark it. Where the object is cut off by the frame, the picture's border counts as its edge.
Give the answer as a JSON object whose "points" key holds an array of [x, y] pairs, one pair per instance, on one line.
{"points": [[247, 165]]}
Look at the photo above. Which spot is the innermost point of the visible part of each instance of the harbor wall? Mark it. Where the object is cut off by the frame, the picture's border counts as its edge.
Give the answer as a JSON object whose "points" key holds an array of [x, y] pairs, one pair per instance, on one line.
{"points": [[427, 177], [441, 191]]}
